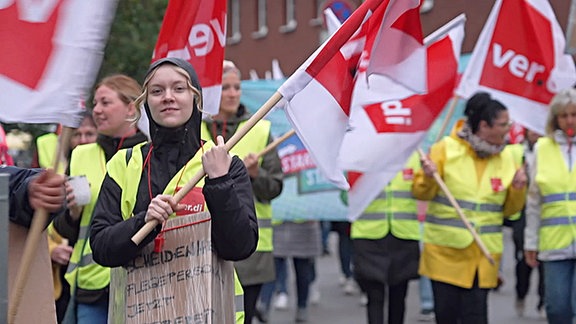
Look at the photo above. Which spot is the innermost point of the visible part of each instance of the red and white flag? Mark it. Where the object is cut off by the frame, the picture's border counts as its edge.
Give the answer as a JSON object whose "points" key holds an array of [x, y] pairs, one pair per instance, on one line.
{"points": [[196, 31], [51, 54], [398, 51], [332, 22], [319, 93], [519, 59], [378, 125]]}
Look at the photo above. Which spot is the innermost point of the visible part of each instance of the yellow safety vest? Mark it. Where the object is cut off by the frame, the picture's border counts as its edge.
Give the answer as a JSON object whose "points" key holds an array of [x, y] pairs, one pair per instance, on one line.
{"points": [[482, 202], [517, 151], [46, 146], [88, 160], [254, 142], [558, 190], [394, 210], [120, 171]]}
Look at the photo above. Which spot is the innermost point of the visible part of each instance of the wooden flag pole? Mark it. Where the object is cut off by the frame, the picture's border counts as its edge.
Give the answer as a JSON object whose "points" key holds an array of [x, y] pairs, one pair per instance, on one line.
{"points": [[276, 142], [460, 212], [449, 114], [39, 221], [266, 107]]}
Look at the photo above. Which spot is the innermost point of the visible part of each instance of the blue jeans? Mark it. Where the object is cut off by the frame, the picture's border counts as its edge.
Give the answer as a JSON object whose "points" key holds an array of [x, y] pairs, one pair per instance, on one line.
{"points": [[426, 296], [304, 271], [96, 313], [344, 247], [560, 290], [305, 274], [281, 274]]}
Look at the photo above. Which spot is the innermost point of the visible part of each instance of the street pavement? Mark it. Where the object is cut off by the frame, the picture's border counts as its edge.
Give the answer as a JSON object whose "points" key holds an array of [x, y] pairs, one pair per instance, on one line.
{"points": [[335, 307]]}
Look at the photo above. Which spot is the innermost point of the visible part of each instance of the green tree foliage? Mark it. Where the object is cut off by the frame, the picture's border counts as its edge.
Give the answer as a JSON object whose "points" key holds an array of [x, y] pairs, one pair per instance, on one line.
{"points": [[132, 37]]}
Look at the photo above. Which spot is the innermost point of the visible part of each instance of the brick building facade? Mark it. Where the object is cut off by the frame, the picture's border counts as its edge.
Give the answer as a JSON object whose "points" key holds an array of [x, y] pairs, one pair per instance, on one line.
{"points": [[290, 30]]}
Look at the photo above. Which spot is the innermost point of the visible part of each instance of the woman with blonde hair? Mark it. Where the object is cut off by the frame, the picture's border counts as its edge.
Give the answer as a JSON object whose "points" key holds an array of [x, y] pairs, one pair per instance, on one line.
{"points": [[114, 114], [550, 234], [172, 100]]}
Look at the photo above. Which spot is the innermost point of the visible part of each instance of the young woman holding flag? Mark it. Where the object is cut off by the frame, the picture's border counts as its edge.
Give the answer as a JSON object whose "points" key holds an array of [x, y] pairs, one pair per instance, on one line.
{"points": [[172, 100]]}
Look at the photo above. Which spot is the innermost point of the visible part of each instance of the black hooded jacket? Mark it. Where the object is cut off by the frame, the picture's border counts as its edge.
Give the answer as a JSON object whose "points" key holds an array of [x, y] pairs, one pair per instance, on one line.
{"points": [[229, 198]]}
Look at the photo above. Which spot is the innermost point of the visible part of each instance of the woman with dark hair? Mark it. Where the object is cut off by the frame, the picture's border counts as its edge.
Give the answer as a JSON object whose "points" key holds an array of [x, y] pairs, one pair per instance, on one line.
{"points": [[488, 185]]}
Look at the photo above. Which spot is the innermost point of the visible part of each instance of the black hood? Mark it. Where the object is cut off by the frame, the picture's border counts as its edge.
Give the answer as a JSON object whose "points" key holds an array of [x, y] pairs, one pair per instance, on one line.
{"points": [[196, 118], [173, 147]]}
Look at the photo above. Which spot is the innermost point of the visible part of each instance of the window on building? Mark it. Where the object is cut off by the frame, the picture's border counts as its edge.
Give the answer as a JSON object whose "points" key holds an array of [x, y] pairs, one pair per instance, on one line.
{"points": [[262, 30], [234, 35], [290, 11], [317, 20]]}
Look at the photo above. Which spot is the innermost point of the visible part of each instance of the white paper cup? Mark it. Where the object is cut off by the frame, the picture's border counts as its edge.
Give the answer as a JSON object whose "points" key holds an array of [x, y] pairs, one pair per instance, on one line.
{"points": [[81, 189]]}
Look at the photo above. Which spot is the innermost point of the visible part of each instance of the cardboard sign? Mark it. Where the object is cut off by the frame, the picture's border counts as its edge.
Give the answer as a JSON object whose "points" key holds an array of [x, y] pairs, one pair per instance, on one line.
{"points": [[184, 283], [37, 301]]}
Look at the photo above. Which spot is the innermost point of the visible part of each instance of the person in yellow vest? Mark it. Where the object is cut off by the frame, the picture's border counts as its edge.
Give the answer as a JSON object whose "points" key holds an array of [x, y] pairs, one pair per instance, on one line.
{"points": [[385, 243], [172, 99], [266, 176], [488, 185], [45, 151], [46, 145], [524, 152], [60, 249], [550, 234], [114, 113]]}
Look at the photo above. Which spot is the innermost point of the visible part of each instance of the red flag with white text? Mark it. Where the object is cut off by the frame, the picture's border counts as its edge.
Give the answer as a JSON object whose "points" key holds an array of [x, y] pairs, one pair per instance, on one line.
{"points": [[319, 93], [384, 132], [51, 54], [519, 59], [196, 31]]}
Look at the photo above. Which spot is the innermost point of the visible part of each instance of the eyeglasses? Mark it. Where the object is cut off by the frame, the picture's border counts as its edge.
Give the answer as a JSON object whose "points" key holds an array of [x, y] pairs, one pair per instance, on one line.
{"points": [[505, 124]]}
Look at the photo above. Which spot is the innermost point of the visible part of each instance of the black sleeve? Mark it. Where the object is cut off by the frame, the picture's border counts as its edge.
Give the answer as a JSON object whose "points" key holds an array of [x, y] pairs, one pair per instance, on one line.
{"points": [[231, 204], [268, 184], [110, 236], [67, 227], [21, 212]]}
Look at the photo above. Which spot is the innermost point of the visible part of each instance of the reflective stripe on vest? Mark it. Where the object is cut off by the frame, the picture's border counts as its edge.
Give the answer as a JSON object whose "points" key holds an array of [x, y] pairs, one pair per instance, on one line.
{"points": [[564, 196], [558, 220], [128, 178], [394, 210], [558, 190], [87, 160], [395, 194], [470, 205], [238, 300], [481, 200], [460, 224], [254, 142]]}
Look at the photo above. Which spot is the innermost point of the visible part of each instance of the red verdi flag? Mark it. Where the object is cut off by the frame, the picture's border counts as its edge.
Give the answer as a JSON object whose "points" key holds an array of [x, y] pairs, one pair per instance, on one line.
{"points": [[196, 31], [371, 148], [519, 58], [319, 93], [51, 53]]}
